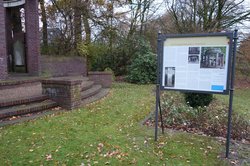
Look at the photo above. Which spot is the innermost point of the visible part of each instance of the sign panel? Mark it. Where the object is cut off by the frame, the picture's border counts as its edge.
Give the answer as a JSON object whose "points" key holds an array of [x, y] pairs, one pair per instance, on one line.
{"points": [[198, 63]]}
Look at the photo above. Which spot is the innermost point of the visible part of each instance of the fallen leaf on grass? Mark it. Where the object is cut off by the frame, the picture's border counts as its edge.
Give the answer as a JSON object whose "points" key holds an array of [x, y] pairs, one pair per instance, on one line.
{"points": [[99, 147], [13, 117], [161, 144], [48, 157], [58, 148], [113, 153], [209, 147], [234, 162], [173, 156], [133, 161], [233, 152]]}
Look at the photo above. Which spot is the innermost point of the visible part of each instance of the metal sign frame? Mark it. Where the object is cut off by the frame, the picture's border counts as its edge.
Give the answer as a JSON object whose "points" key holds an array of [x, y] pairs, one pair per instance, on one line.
{"points": [[163, 38], [233, 36]]}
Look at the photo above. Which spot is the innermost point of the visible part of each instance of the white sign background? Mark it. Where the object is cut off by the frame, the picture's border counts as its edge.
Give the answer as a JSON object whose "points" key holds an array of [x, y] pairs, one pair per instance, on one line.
{"points": [[196, 63]]}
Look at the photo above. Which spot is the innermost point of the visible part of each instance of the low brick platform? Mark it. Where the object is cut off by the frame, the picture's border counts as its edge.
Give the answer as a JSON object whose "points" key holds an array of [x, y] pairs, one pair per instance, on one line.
{"points": [[102, 78], [69, 92], [21, 98], [25, 109], [12, 89], [21, 101], [65, 91]]}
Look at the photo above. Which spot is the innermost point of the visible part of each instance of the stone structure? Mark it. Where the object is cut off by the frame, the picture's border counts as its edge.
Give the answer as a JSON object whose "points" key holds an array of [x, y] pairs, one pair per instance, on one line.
{"points": [[63, 66], [66, 92], [14, 35], [20, 89], [102, 78]]}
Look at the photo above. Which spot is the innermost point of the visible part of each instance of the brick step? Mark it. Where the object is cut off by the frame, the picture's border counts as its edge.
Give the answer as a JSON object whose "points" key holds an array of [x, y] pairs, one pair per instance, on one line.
{"points": [[102, 93], [23, 100], [20, 89], [87, 85], [90, 92], [26, 108], [70, 78], [80, 77]]}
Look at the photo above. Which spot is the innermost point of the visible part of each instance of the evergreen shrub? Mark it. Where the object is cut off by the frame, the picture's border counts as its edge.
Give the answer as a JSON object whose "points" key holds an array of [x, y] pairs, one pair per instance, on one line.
{"points": [[198, 99], [143, 69]]}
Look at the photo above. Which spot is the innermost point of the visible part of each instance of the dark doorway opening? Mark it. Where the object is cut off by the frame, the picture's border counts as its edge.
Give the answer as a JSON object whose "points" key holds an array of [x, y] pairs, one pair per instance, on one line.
{"points": [[15, 21]]}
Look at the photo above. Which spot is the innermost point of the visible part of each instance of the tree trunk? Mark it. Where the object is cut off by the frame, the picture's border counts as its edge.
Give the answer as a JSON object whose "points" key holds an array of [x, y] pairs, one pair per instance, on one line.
{"points": [[77, 23], [87, 30], [45, 25]]}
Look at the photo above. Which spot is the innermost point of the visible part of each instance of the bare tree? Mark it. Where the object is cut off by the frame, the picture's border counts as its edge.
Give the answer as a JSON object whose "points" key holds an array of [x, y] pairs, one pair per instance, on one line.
{"points": [[139, 13], [243, 58], [206, 15]]}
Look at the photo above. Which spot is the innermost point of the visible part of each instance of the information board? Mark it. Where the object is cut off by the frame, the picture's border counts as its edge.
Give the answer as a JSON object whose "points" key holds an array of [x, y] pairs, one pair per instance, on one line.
{"points": [[198, 63]]}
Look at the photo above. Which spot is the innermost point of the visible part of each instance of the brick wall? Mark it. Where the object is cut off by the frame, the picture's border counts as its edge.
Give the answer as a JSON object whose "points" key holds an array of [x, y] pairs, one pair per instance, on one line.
{"points": [[63, 66], [3, 51], [67, 93], [102, 78], [32, 37], [21, 89]]}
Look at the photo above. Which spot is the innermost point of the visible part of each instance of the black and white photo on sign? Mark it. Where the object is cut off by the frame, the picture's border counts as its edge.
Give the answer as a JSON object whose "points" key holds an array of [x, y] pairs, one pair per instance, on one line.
{"points": [[213, 57], [169, 76], [193, 59], [194, 50]]}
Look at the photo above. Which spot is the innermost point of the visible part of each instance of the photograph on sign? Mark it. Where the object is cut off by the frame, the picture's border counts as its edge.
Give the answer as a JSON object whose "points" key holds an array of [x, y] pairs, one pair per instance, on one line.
{"points": [[213, 57], [169, 76], [196, 63]]}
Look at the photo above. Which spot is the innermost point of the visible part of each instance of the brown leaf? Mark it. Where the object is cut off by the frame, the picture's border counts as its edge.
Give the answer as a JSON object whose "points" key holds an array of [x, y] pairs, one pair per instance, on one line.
{"points": [[48, 157]]}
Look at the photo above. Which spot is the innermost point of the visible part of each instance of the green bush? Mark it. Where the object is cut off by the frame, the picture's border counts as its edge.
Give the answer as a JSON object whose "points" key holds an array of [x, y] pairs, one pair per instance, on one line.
{"points": [[177, 111], [143, 69], [126, 51], [197, 99], [119, 56], [102, 57], [98, 57], [59, 47]]}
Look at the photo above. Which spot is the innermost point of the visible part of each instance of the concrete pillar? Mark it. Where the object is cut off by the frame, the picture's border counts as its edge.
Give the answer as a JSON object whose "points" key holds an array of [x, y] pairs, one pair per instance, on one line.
{"points": [[3, 45], [32, 37]]}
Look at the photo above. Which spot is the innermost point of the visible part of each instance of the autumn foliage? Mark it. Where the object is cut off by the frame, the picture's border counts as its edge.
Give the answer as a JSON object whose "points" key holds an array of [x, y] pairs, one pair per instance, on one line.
{"points": [[243, 58]]}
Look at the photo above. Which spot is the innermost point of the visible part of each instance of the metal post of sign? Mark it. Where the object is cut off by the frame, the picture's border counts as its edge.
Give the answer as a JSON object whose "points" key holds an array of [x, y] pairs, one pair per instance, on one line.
{"points": [[162, 125], [156, 111], [157, 103], [229, 125]]}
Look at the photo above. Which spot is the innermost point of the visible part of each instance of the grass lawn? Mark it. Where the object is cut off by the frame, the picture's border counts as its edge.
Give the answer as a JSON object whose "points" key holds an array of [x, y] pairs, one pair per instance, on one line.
{"points": [[107, 132], [241, 101]]}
